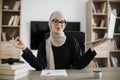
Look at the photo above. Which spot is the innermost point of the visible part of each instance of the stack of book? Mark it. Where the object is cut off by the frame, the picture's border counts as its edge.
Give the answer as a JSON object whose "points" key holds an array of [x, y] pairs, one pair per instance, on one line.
{"points": [[13, 72]]}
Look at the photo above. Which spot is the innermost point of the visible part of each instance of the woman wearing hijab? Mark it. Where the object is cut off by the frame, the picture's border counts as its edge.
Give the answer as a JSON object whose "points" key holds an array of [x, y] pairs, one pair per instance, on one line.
{"points": [[58, 51]]}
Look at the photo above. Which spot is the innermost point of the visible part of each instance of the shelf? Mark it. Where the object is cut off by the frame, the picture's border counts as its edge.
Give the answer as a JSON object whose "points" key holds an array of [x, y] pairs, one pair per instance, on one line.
{"points": [[100, 28], [11, 10], [115, 51], [118, 18], [116, 34], [4, 26], [115, 58], [115, 1], [99, 14], [9, 27], [98, 17], [101, 62], [99, 1]]}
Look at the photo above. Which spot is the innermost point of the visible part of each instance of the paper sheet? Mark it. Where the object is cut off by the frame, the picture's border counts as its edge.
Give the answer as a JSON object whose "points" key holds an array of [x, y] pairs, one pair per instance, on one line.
{"points": [[54, 72], [111, 26]]}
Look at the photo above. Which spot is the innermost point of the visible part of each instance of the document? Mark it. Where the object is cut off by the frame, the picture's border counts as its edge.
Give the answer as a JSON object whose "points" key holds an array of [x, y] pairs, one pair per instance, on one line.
{"points": [[111, 26], [60, 72]]}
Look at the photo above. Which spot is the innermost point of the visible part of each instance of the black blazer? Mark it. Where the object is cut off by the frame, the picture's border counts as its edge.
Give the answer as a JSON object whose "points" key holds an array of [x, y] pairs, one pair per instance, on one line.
{"points": [[78, 35]]}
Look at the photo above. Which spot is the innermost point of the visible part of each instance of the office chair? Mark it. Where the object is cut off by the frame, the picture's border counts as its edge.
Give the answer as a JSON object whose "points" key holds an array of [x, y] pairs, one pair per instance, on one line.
{"points": [[80, 37]]}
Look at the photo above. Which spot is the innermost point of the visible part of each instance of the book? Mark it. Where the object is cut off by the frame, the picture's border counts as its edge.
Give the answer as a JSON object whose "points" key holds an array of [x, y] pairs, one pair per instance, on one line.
{"points": [[93, 23], [94, 36], [114, 61], [12, 77], [93, 7], [11, 20], [95, 64], [60, 72], [4, 36], [16, 20], [102, 23], [103, 7], [12, 67], [13, 72], [17, 5]]}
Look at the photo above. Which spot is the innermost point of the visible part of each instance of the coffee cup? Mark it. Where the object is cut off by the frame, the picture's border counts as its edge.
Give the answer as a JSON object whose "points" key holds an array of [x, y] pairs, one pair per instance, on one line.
{"points": [[97, 73]]}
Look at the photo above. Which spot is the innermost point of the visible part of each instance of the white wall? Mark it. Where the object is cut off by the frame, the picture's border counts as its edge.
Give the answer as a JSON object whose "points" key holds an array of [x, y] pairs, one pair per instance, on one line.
{"points": [[73, 10]]}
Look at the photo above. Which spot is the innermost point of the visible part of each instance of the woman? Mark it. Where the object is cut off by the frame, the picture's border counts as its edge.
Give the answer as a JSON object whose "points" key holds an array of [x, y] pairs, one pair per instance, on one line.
{"points": [[58, 51]]}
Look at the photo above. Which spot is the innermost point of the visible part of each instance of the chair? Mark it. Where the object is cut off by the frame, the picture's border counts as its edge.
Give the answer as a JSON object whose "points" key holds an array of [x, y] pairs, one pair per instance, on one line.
{"points": [[80, 37]]}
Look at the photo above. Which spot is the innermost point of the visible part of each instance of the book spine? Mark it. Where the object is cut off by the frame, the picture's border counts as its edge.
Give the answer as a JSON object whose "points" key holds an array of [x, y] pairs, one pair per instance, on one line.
{"points": [[14, 77], [4, 36], [12, 67], [13, 72], [11, 20]]}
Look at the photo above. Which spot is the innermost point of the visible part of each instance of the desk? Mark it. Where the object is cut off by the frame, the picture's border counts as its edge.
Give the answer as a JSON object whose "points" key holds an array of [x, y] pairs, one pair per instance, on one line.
{"points": [[85, 74]]}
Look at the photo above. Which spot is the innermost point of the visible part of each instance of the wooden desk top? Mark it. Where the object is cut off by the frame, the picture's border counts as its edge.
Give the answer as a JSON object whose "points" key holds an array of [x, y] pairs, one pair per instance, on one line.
{"points": [[85, 74]]}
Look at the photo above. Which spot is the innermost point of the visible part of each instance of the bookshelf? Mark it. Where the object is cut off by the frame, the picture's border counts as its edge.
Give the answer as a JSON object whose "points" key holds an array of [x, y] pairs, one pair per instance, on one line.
{"points": [[115, 54], [9, 27], [98, 17], [115, 58]]}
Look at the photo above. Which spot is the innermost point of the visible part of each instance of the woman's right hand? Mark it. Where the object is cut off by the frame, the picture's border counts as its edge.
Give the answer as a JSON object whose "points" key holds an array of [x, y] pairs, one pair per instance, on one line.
{"points": [[17, 42]]}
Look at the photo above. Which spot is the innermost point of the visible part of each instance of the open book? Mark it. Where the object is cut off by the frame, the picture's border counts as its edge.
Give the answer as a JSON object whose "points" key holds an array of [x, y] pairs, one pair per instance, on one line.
{"points": [[110, 33]]}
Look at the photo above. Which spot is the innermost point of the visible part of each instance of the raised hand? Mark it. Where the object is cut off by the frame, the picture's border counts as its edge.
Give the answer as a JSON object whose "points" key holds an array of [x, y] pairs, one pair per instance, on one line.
{"points": [[95, 44], [17, 42]]}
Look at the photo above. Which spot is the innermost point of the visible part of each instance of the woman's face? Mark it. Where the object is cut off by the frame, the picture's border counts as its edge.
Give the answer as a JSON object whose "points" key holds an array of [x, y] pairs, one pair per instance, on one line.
{"points": [[58, 24]]}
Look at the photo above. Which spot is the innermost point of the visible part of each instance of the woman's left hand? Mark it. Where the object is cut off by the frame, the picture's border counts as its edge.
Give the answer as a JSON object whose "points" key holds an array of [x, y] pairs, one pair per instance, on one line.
{"points": [[95, 44]]}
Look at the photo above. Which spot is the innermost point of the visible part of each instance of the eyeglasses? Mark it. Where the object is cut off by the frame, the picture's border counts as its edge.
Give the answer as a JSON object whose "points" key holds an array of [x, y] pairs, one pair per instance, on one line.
{"points": [[56, 22]]}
